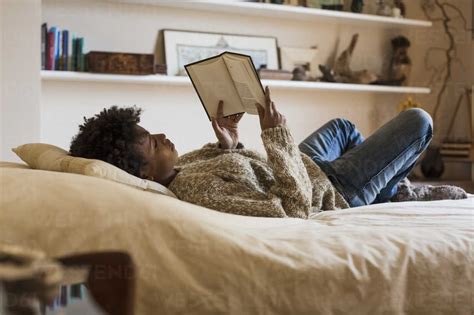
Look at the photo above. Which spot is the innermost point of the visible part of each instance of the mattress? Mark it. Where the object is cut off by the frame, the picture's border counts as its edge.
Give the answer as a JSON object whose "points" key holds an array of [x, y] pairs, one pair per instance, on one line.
{"points": [[394, 258]]}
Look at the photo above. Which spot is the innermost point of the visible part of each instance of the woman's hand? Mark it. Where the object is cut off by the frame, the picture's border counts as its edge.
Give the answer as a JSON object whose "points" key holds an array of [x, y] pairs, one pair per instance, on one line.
{"points": [[269, 116], [225, 128]]}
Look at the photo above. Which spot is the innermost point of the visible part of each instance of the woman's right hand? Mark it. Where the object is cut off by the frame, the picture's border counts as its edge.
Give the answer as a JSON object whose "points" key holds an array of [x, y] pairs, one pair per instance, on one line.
{"points": [[268, 114]]}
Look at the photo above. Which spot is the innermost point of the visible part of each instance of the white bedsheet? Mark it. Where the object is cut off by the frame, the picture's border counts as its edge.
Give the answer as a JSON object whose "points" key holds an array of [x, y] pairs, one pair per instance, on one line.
{"points": [[396, 258]]}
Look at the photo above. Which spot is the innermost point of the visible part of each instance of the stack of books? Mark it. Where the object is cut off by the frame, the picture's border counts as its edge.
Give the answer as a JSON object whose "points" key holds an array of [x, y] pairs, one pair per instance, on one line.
{"points": [[455, 149], [61, 50]]}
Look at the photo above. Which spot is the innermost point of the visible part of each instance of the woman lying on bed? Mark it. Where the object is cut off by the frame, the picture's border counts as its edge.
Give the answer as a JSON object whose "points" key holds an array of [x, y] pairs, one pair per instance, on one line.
{"points": [[333, 168]]}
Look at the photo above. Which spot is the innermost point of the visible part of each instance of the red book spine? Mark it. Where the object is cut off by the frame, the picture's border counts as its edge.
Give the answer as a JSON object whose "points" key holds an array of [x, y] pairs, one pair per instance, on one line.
{"points": [[50, 52]]}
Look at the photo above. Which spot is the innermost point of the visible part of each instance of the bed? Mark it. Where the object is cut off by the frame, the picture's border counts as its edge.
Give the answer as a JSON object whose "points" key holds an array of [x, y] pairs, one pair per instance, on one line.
{"points": [[394, 258]]}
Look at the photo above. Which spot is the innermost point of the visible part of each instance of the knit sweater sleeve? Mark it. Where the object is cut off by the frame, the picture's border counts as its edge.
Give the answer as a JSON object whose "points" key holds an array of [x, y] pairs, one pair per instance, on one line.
{"points": [[208, 151], [292, 184]]}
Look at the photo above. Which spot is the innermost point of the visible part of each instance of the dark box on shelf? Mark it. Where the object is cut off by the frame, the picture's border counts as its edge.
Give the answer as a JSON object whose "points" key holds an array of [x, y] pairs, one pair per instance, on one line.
{"points": [[120, 63]]}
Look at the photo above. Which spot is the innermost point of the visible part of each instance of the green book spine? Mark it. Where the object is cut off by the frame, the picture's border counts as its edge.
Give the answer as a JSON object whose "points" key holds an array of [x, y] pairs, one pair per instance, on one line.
{"points": [[74, 54]]}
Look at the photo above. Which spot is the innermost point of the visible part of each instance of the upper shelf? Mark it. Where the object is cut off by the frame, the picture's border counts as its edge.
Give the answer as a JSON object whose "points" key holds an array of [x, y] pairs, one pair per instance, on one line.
{"points": [[283, 11], [184, 81]]}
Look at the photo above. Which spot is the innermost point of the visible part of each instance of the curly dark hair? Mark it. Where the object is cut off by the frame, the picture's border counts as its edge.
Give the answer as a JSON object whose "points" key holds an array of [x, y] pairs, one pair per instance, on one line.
{"points": [[110, 136]]}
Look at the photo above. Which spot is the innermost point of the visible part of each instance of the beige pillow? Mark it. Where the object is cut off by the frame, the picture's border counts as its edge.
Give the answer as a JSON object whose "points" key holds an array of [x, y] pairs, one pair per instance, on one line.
{"points": [[51, 158]]}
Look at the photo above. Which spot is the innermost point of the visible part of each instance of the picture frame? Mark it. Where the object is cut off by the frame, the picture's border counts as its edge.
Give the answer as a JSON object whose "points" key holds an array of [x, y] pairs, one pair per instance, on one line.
{"points": [[185, 47], [292, 57]]}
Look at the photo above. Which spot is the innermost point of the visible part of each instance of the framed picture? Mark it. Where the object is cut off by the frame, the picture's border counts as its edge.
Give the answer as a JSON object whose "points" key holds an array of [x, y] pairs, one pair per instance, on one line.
{"points": [[184, 47], [292, 57]]}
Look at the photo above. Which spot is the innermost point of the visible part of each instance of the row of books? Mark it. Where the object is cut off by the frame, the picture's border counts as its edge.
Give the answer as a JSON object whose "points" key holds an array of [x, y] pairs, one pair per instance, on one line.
{"points": [[455, 149], [67, 295], [61, 50]]}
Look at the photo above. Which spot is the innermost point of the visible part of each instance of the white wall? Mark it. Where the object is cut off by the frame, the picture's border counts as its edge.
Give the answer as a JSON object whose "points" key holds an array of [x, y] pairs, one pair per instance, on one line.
{"points": [[462, 70], [176, 110], [19, 75]]}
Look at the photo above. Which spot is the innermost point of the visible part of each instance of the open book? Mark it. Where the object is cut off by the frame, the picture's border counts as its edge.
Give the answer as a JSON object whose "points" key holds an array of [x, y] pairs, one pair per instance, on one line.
{"points": [[230, 77]]}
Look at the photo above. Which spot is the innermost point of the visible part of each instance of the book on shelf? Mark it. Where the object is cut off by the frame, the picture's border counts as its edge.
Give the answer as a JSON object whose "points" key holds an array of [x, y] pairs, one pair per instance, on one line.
{"points": [[64, 51], [74, 53], [50, 49], [80, 61], [230, 77], [44, 39], [57, 41]]}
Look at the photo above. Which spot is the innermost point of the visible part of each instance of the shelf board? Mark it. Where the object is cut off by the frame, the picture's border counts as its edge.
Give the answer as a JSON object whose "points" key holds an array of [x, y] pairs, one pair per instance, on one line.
{"points": [[184, 81], [283, 11], [463, 159]]}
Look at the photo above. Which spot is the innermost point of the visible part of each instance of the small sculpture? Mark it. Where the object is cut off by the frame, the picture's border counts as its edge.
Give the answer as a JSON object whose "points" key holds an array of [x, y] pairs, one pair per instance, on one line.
{"points": [[357, 6], [303, 73], [400, 65], [342, 71], [300, 73], [400, 5], [383, 8]]}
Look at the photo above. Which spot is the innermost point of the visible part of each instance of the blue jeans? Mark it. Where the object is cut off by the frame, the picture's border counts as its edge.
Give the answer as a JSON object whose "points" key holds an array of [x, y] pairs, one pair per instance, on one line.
{"points": [[368, 171]]}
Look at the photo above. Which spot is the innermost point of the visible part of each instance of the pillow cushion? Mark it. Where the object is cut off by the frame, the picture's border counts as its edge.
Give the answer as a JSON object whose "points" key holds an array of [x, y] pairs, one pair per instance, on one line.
{"points": [[51, 158]]}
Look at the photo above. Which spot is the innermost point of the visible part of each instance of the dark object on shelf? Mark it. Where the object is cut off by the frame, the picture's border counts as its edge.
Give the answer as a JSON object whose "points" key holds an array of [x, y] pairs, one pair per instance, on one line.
{"points": [[328, 75], [384, 8], [400, 5], [44, 43], [357, 6], [276, 1], [160, 68], [432, 165], [400, 65], [120, 63], [300, 73], [267, 74], [334, 7]]}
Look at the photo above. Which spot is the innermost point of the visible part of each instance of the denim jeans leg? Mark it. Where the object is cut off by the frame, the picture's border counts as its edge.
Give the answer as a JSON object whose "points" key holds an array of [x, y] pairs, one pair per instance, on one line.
{"points": [[383, 159], [392, 187], [331, 141]]}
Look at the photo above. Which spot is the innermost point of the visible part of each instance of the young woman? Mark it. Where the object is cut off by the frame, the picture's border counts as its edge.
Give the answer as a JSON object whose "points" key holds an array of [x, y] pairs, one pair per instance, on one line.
{"points": [[333, 168]]}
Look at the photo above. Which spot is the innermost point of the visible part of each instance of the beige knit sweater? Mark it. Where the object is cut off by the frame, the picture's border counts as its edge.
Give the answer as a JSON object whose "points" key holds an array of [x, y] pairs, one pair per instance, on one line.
{"points": [[240, 181]]}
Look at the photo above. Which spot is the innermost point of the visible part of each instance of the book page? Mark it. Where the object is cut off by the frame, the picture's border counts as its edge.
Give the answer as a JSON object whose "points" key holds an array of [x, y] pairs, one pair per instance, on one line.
{"points": [[213, 83], [246, 82]]}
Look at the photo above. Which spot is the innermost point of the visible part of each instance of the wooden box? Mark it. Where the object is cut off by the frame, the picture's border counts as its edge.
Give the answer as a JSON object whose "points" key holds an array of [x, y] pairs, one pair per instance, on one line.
{"points": [[120, 63]]}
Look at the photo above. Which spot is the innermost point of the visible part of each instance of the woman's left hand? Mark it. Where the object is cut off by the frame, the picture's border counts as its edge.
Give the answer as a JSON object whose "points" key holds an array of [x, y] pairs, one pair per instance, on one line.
{"points": [[225, 128]]}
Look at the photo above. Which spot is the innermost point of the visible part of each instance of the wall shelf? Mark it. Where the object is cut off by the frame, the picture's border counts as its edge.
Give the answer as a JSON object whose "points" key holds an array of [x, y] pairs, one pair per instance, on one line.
{"points": [[283, 11], [184, 81]]}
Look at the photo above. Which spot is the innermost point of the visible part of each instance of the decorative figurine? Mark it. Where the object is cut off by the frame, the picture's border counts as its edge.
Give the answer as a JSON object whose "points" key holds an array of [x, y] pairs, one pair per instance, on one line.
{"points": [[383, 8], [400, 65], [401, 6], [342, 68], [397, 13], [300, 73], [357, 6]]}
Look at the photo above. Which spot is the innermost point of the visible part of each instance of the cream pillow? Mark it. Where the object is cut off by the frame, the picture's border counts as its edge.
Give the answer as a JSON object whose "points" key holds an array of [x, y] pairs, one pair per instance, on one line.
{"points": [[51, 158]]}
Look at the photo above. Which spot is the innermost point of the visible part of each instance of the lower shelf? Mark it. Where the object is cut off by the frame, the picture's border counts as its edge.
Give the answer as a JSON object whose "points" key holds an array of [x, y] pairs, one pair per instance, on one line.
{"points": [[184, 81]]}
